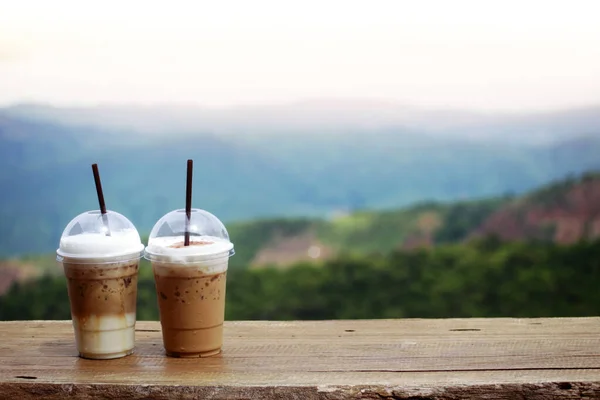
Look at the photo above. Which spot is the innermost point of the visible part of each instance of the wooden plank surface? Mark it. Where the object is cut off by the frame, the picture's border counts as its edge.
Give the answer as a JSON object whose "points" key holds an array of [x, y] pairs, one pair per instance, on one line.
{"points": [[369, 359]]}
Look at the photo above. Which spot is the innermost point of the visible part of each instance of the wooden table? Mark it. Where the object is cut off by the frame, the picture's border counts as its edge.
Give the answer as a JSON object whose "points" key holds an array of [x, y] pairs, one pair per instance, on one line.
{"points": [[363, 359]]}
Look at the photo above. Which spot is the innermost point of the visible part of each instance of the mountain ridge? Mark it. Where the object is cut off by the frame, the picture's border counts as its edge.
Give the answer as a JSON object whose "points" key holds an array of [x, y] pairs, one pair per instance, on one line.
{"points": [[326, 115], [563, 212], [45, 175]]}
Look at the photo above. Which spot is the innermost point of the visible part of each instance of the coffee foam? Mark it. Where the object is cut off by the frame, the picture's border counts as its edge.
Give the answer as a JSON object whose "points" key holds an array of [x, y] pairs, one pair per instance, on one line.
{"points": [[98, 245], [202, 248]]}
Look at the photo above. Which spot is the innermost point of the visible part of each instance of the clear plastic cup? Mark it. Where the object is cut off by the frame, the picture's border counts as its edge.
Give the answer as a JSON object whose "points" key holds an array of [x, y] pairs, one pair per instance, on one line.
{"points": [[102, 274], [190, 281]]}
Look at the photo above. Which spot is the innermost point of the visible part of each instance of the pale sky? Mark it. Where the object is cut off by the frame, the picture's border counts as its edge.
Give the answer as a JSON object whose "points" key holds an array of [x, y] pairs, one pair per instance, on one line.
{"points": [[504, 55]]}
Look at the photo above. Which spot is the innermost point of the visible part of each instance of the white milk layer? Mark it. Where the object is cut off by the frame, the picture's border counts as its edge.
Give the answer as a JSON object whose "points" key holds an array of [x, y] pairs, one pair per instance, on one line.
{"points": [[94, 245], [106, 336]]}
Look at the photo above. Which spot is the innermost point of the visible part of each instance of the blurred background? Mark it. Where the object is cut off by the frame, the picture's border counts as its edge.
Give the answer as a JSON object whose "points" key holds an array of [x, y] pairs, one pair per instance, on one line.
{"points": [[378, 159]]}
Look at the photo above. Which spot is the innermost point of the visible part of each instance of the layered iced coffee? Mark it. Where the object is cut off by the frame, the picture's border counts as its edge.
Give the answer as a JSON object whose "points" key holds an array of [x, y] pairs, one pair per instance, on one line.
{"points": [[101, 268], [190, 282]]}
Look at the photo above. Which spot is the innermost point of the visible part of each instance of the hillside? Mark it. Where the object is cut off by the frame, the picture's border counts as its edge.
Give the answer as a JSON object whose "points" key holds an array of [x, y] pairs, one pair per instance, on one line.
{"points": [[45, 176], [563, 212]]}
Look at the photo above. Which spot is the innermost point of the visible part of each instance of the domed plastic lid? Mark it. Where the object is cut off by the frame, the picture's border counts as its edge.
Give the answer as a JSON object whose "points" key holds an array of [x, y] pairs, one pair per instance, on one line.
{"points": [[208, 238], [93, 235]]}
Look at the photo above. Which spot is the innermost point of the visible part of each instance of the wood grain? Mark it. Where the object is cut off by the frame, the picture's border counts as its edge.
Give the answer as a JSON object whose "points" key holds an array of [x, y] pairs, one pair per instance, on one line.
{"points": [[362, 359]]}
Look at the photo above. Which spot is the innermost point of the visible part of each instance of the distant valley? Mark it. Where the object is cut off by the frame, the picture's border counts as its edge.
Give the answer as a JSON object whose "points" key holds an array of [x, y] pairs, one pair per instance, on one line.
{"points": [[248, 169]]}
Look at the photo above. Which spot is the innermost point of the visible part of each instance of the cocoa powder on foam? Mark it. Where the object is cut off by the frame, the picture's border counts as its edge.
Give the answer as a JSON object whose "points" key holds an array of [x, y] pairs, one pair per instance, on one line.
{"points": [[197, 243]]}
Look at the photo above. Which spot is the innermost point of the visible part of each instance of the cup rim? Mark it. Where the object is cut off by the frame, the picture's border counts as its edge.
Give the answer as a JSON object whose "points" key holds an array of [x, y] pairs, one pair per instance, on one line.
{"points": [[98, 260]]}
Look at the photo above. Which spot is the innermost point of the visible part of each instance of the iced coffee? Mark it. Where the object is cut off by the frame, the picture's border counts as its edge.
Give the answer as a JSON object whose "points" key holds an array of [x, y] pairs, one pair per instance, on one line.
{"points": [[101, 268], [190, 282]]}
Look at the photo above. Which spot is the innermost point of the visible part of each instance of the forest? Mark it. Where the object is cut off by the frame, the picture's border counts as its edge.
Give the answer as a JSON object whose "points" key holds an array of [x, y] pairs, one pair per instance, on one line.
{"points": [[482, 278]]}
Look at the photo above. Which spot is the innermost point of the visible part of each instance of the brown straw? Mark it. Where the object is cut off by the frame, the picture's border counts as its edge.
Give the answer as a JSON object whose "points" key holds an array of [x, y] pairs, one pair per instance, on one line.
{"points": [[188, 202], [100, 197]]}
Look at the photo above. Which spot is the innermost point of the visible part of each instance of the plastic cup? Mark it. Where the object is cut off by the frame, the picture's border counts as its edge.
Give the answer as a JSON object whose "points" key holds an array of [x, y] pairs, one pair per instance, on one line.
{"points": [[190, 281], [102, 274]]}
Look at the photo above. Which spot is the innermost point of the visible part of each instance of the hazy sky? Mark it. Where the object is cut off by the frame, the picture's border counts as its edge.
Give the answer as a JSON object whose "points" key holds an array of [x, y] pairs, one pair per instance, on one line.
{"points": [[477, 54]]}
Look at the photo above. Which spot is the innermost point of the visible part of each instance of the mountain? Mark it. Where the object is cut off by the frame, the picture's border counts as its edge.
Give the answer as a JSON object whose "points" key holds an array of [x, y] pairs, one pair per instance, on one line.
{"points": [[46, 180], [247, 173], [325, 115], [563, 212]]}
